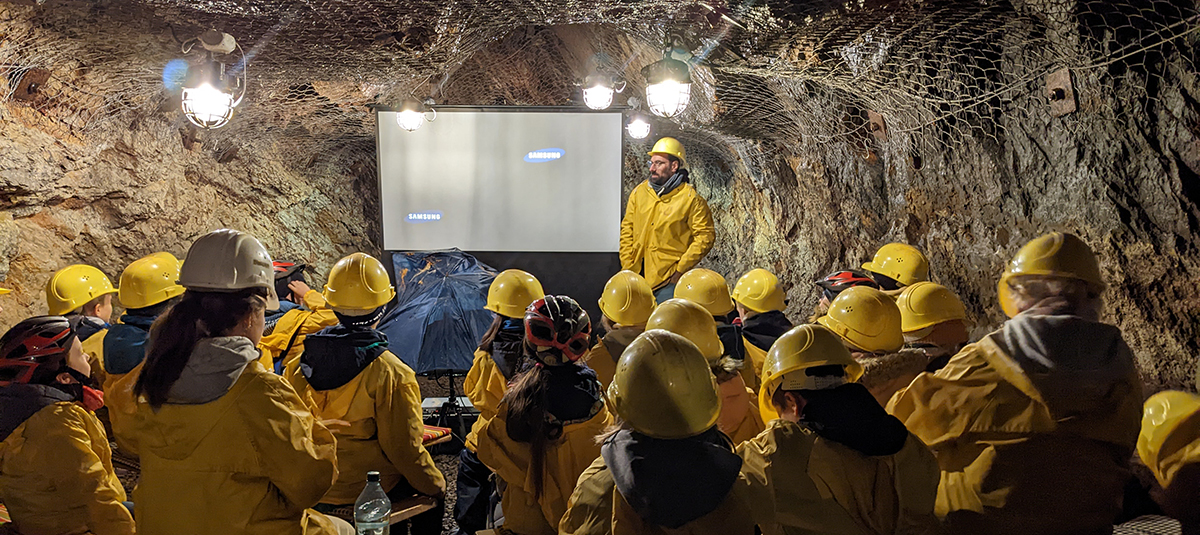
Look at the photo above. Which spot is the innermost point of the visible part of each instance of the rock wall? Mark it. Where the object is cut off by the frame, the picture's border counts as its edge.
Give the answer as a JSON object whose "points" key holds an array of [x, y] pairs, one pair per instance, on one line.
{"points": [[109, 197], [1123, 172]]}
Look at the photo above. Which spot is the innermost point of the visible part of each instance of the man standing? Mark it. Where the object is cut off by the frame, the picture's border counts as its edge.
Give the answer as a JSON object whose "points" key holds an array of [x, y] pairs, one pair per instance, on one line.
{"points": [[667, 227]]}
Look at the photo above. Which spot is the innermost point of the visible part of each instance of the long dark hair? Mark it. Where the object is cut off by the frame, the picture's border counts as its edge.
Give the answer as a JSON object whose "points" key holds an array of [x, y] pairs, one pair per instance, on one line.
{"points": [[485, 343], [174, 335], [527, 399]]}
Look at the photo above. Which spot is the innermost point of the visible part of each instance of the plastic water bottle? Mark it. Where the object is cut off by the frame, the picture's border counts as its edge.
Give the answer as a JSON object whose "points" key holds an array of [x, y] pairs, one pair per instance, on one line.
{"points": [[372, 509]]}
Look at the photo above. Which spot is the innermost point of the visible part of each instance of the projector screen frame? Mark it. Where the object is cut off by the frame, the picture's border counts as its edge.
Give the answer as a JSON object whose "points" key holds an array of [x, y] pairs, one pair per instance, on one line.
{"points": [[377, 108]]}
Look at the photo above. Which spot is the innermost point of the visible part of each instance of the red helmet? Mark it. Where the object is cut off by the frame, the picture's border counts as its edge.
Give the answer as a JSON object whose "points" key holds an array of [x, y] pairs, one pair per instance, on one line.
{"points": [[835, 282], [35, 350], [558, 322]]}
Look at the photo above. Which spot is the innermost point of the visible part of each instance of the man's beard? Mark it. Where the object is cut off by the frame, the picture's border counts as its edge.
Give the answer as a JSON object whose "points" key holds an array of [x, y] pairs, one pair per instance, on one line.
{"points": [[658, 181]]}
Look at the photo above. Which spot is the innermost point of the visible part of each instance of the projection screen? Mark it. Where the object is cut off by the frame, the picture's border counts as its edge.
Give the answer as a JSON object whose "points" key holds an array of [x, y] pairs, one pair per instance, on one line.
{"points": [[503, 181]]}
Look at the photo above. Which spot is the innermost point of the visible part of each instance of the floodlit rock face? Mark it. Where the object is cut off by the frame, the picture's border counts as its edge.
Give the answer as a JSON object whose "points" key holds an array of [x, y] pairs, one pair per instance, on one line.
{"points": [[969, 165], [108, 197]]}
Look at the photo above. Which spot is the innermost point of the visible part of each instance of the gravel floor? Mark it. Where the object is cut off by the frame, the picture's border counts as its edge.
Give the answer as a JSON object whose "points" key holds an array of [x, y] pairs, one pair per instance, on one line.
{"points": [[448, 464]]}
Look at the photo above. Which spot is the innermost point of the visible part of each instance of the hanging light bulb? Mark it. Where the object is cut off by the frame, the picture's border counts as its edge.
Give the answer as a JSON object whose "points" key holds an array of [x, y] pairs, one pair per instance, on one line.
{"points": [[599, 89], [638, 127], [203, 104], [210, 93], [413, 113], [668, 86]]}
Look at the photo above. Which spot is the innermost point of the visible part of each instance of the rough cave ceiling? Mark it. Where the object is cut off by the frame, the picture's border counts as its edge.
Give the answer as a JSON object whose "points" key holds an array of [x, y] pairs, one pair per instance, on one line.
{"points": [[774, 71]]}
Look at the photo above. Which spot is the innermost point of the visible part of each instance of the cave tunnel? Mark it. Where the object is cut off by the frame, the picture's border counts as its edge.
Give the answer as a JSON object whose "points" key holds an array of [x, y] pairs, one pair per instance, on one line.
{"points": [[816, 132]]}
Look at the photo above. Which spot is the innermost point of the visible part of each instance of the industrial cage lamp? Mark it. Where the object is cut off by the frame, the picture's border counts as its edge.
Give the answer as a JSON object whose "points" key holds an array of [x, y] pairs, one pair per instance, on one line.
{"points": [[211, 90], [638, 127], [413, 113], [668, 86], [599, 88]]}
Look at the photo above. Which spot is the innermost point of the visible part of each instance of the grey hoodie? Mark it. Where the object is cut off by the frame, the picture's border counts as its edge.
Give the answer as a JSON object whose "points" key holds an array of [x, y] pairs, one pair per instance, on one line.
{"points": [[215, 364], [1073, 362]]}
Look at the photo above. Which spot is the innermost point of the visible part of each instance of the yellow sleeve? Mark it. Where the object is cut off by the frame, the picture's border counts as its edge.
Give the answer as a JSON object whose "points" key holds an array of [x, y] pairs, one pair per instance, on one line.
{"points": [[298, 452], [122, 407], [485, 385], [93, 347], [78, 470], [629, 250], [916, 478], [752, 369], [400, 427], [314, 301], [590, 509], [704, 234]]}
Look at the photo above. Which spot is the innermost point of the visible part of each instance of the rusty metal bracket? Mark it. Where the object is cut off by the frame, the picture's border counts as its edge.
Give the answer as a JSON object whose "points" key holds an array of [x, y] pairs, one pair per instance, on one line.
{"points": [[876, 125], [1061, 93], [31, 82]]}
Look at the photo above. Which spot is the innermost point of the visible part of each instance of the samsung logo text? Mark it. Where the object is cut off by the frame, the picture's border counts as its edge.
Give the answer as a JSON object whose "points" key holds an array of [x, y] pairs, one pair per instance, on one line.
{"points": [[544, 155], [423, 217]]}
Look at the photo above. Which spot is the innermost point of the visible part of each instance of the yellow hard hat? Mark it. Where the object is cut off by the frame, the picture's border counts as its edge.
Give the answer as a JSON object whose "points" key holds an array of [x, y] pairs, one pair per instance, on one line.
{"points": [[358, 283], [671, 146], [150, 280], [803, 347], [759, 291], [900, 262], [1170, 436], [706, 288], [627, 299], [926, 304], [663, 387], [1053, 255], [866, 318], [74, 286], [690, 321], [512, 291]]}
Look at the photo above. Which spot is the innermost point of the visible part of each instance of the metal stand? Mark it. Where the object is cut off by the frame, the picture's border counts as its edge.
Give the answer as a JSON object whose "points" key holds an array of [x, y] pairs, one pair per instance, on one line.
{"points": [[452, 413]]}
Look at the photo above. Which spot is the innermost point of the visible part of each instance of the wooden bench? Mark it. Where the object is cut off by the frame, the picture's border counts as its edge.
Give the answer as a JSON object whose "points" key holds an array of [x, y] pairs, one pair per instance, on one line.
{"points": [[401, 511]]}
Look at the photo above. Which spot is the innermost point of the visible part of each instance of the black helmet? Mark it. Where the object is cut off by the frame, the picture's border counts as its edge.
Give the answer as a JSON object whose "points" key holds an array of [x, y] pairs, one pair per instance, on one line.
{"points": [[35, 350], [559, 323]]}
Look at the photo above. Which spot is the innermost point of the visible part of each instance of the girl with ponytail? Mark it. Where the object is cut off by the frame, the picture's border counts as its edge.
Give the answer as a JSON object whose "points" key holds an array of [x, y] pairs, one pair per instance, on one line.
{"points": [[226, 446], [543, 435]]}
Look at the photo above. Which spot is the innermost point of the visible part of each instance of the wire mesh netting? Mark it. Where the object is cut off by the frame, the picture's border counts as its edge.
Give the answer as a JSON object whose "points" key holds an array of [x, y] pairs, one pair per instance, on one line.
{"points": [[932, 74]]}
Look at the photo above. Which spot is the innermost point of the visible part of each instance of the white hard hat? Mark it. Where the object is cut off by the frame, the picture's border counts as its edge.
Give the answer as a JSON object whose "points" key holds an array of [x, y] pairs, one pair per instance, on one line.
{"points": [[228, 260]]}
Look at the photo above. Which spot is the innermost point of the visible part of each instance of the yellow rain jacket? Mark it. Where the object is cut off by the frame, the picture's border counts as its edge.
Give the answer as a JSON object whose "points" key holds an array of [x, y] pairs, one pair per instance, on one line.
{"points": [[1025, 447], [662, 236], [122, 409], [251, 461], [752, 370], [800, 483], [376, 418], [56, 474], [602, 358], [298, 322], [597, 508], [565, 459], [93, 347], [739, 418], [485, 387]]}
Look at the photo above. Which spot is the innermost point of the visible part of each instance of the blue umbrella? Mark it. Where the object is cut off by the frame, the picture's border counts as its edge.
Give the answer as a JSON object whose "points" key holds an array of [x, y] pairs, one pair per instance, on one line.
{"points": [[439, 317]]}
